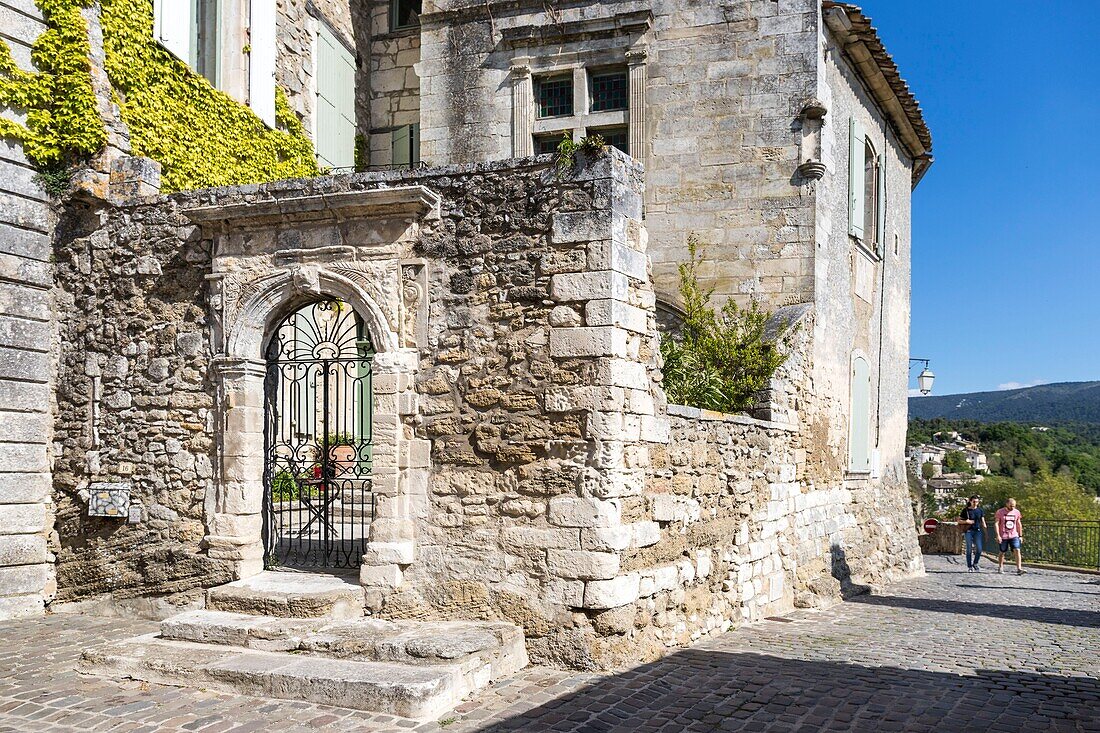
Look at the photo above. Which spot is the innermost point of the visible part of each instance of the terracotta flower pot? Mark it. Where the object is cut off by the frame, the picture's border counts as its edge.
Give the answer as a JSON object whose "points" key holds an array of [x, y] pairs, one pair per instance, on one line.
{"points": [[342, 457]]}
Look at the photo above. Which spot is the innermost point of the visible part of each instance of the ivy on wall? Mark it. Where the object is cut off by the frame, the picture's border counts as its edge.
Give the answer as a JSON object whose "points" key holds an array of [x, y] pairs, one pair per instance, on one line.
{"points": [[62, 124], [199, 135]]}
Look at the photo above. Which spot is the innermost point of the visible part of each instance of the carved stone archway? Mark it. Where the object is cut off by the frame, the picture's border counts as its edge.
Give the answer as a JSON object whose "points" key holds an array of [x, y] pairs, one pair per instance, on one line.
{"points": [[257, 279]]}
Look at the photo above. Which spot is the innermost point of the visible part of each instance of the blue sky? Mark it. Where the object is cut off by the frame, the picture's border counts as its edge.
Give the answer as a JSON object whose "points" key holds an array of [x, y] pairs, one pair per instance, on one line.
{"points": [[1006, 229]]}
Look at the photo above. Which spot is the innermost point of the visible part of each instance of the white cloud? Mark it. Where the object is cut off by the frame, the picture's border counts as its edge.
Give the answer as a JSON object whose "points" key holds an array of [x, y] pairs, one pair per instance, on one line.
{"points": [[1021, 385]]}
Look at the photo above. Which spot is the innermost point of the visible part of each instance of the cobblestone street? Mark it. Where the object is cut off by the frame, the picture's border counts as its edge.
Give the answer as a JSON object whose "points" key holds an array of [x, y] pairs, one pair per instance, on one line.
{"points": [[946, 652]]}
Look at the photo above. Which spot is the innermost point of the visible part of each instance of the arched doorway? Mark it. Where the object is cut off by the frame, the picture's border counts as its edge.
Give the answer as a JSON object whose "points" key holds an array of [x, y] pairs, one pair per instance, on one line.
{"points": [[318, 502]]}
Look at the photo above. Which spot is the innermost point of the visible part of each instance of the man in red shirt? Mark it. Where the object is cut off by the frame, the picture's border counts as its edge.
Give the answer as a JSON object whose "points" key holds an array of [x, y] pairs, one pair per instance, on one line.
{"points": [[1010, 533]]}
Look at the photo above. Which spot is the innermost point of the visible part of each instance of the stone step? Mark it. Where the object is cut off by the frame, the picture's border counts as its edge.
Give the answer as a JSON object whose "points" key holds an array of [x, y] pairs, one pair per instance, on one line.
{"points": [[419, 692], [480, 648], [414, 669], [289, 595]]}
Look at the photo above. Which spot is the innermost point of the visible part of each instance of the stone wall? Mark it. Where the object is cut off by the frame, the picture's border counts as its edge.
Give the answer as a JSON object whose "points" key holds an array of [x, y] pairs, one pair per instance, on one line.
{"points": [[541, 342], [26, 363], [723, 87], [134, 403], [862, 306], [394, 83], [536, 474]]}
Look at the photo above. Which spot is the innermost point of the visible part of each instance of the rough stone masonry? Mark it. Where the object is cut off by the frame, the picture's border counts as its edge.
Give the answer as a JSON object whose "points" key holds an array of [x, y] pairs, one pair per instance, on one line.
{"points": [[537, 474]]}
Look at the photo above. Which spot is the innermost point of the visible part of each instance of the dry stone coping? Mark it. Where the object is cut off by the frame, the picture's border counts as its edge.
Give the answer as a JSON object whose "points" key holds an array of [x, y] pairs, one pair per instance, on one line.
{"points": [[695, 413]]}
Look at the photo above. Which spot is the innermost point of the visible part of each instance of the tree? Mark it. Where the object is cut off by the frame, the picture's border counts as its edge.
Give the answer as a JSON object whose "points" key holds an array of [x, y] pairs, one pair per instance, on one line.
{"points": [[954, 461], [1058, 497], [1046, 497], [928, 470]]}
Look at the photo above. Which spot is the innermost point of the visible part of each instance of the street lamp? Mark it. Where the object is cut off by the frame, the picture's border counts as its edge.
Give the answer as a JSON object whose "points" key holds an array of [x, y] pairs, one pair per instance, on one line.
{"points": [[925, 378]]}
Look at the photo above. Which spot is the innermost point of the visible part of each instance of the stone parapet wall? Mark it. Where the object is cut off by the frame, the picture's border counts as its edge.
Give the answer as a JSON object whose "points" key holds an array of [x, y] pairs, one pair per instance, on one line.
{"points": [[723, 492], [538, 396], [946, 540], [27, 341]]}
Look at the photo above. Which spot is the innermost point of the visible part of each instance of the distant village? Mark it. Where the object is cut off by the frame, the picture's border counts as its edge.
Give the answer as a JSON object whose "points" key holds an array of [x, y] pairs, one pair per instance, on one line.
{"points": [[947, 466]]}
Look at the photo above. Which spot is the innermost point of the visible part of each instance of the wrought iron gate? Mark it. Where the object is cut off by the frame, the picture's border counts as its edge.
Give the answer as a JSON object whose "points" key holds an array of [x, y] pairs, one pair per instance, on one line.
{"points": [[317, 487]]}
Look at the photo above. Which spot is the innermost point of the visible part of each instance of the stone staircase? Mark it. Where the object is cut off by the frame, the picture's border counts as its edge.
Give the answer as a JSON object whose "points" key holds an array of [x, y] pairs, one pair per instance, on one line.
{"points": [[304, 637]]}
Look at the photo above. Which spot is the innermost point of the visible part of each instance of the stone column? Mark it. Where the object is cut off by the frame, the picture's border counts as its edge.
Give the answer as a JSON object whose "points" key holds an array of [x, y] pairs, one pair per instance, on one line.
{"points": [[522, 109], [639, 138], [27, 328], [398, 475], [235, 526]]}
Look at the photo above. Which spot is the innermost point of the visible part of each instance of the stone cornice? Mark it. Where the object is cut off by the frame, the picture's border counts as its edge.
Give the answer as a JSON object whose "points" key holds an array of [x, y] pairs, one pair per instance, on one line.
{"points": [[403, 201], [636, 23], [878, 71]]}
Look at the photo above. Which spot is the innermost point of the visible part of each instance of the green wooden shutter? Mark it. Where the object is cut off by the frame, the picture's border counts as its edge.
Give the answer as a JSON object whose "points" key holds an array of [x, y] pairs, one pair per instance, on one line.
{"points": [[880, 210], [335, 142], [859, 448], [405, 145], [856, 143], [401, 146]]}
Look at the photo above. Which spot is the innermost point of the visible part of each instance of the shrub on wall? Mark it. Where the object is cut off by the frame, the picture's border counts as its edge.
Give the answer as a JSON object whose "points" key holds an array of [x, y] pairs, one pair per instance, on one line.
{"points": [[199, 135], [721, 359]]}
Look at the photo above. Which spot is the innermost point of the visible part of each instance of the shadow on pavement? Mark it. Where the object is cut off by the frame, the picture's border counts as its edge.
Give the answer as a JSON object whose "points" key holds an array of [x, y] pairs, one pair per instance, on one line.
{"points": [[1043, 614], [1002, 588], [701, 690]]}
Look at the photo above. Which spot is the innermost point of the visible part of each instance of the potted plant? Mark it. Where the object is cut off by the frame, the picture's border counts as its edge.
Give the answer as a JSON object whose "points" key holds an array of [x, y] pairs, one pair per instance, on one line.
{"points": [[341, 448]]}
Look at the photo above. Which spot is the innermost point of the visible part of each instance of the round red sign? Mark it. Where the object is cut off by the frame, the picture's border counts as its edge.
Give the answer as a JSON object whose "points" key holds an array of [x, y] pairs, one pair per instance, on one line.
{"points": [[930, 525]]}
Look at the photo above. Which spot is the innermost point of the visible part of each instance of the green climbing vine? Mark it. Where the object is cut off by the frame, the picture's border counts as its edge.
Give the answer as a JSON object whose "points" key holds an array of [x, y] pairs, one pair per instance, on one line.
{"points": [[200, 135], [62, 123]]}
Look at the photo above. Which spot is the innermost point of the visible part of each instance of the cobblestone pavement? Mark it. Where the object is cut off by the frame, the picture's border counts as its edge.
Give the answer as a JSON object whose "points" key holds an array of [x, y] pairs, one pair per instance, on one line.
{"points": [[947, 652]]}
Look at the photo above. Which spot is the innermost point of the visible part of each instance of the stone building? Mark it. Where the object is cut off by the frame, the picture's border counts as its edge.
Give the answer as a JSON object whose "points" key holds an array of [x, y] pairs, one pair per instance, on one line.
{"points": [[446, 377]]}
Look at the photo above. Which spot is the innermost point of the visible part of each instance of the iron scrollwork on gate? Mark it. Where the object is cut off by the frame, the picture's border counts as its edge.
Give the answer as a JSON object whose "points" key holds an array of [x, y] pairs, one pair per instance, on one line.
{"points": [[317, 475]]}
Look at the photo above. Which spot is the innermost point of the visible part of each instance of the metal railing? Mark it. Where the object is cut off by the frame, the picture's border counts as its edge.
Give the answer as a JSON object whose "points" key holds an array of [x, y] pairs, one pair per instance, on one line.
{"points": [[1070, 542]]}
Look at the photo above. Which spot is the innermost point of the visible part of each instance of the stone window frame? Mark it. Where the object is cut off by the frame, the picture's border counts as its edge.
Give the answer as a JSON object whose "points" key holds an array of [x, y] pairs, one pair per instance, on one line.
{"points": [[233, 25], [865, 210], [872, 206], [612, 73], [526, 69], [394, 11], [564, 81]]}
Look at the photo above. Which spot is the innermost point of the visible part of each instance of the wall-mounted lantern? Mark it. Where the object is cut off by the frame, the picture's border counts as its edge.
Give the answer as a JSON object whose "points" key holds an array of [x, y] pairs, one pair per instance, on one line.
{"points": [[925, 378]]}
